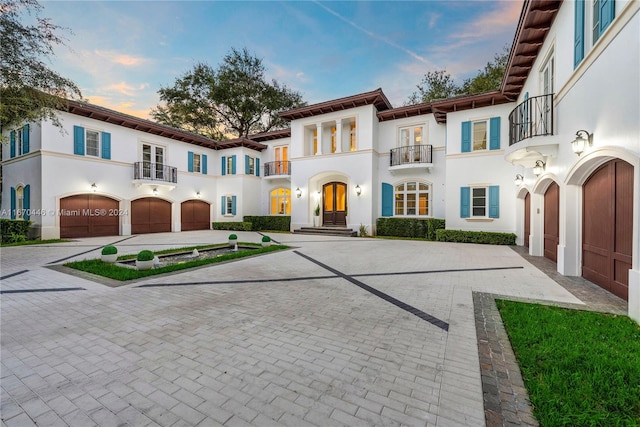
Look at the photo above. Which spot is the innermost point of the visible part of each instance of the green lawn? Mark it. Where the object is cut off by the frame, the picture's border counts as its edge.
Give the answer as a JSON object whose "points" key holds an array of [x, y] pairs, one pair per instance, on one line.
{"points": [[580, 368], [112, 271], [34, 242]]}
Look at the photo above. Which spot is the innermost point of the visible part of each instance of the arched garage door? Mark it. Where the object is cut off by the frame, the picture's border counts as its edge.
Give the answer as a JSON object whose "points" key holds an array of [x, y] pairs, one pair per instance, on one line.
{"points": [[195, 215], [608, 227], [88, 215], [150, 215]]}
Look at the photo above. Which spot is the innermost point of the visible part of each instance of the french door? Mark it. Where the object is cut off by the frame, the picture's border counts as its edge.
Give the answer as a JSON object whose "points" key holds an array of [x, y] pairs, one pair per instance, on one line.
{"points": [[334, 202]]}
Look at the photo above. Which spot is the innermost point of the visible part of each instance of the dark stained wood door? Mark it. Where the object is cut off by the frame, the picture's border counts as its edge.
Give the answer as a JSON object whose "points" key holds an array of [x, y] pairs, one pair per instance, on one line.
{"points": [[150, 215], [89, 215], [195, 215], [552, 222], [334, 202], [527, 219], [608, 227]]}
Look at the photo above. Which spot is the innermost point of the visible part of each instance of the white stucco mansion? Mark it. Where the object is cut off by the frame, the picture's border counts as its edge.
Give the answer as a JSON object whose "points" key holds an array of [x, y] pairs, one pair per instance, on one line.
{"points": [[553, 156]]}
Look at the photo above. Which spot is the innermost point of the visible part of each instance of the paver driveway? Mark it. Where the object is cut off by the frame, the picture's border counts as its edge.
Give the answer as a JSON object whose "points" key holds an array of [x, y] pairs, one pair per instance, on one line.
{"points": [[336, 331]]}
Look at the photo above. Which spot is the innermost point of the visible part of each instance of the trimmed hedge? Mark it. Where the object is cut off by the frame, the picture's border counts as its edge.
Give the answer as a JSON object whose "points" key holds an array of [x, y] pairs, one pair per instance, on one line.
{"points": [[484, 237], [231, 225], [14, 230], [271, 223], [424, 228]]}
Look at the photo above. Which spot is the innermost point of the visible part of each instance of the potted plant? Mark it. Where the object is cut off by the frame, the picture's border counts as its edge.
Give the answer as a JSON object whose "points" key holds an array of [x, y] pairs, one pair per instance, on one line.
{"points": [[233, 240], [266, 241], [109, 254], [316, 215], [144, 260]]}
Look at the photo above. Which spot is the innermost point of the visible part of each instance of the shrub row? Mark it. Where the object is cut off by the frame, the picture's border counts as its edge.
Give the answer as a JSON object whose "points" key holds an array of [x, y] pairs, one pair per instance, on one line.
{"points": [[271, 223], [14, 230], [409, 227], [485, 237], [231, 225]]}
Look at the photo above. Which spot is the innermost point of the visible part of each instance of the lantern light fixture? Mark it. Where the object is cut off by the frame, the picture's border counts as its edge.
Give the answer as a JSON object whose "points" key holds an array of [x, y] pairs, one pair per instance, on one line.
{"points": [[298, 192], [519, 180], [583, 139], [538, 168]]}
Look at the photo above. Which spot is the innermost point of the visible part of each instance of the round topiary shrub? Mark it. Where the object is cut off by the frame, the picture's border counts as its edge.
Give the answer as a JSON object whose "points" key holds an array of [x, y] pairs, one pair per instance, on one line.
{"points": [[109, 250], [266, 239], [233, 237], [145, 255]]}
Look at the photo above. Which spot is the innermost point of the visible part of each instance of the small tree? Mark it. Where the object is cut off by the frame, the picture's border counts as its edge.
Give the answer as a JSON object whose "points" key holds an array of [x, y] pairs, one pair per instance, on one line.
{"points": [[434, 85]]}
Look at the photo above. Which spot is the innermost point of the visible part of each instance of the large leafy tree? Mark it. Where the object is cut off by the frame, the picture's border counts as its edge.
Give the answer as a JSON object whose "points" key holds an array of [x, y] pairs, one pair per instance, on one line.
{"points": [[439, 84], [233, 100], [29, 89]]}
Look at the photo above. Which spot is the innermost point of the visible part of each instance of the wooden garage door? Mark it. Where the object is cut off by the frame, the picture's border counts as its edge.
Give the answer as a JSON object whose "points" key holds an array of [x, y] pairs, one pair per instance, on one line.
{"points": [[608, 227], [150, 215], [527, 219], [552, 222], [195, 215], [88, 215]]}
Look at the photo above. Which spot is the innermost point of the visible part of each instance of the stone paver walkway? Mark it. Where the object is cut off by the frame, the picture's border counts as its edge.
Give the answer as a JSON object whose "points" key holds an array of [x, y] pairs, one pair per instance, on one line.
{"points": [[336, 331]]}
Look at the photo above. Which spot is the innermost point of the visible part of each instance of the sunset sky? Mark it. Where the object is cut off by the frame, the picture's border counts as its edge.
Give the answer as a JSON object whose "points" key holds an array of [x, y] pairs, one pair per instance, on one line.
{"points": [[121, 52]]}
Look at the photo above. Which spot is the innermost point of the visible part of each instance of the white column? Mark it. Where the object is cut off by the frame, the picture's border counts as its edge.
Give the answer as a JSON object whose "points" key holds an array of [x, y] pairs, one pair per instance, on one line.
{"points": [[338, 136], [319, 136]]}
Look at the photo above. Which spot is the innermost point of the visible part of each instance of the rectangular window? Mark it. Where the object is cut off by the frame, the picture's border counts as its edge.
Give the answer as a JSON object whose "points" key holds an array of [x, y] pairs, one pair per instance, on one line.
{"points": [[333, 139], [196, 163], [410, 141], [252, 166], [352, 137], [229, 205], [92, 140], [230, 168], [479, 135], [479, 202], [596, 21], [315, 142]]}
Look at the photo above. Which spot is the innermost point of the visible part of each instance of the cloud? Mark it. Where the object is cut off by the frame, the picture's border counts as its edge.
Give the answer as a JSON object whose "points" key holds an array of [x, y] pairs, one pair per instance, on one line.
{"points": [[121, 58], [372, 34], [123, 106], [124, 88]]}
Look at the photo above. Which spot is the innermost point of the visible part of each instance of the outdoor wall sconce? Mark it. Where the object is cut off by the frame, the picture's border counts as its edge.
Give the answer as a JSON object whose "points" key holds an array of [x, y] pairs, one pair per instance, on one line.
{"points": [[519, 180], [94, 187], [155, 191], [582, 139], [198, 195], [538, 168], [358, 190], [298, 192]]}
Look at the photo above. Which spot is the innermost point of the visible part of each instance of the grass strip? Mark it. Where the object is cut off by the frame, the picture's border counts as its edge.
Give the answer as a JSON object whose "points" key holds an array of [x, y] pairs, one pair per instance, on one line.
{"points": [[113, 271], [34, 242], [580, 368]]}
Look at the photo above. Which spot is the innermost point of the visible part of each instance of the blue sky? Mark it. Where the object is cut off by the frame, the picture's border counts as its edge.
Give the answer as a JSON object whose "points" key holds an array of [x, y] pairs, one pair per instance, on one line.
{"points": [[121, 52]]}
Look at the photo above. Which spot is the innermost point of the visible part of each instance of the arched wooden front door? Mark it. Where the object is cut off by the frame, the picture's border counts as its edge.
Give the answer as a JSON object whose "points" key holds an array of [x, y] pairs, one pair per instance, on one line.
{"points": [[552, 222], [334, 204], [607, 235]]}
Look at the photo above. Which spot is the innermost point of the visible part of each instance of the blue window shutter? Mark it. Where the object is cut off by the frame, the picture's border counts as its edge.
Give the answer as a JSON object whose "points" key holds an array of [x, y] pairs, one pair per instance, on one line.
{"points": [[466, 137], [578, 38], [607, 13], [494, 131], [26, 200], [233, 164], [106, 145], [223, 205], [13, 203], [246, 164], [190, 161], [465, 202], [25, 139], [78, 140], [12, 149], [233, 205], [494, 201], [224, 165], [387, 199], [257, 166], [204, 164]]}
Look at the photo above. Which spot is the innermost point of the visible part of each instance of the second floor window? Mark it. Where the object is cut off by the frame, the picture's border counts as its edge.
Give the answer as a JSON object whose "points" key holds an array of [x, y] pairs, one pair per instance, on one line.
{"points": [[92, 143], [352, 137], [479, 135]]}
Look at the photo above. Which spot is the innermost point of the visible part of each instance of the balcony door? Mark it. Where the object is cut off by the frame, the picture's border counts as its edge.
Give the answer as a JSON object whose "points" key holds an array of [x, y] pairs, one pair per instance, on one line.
{"points": [[153, 162], [282, 160], [334, 202], [410, 141], [547, 89]]}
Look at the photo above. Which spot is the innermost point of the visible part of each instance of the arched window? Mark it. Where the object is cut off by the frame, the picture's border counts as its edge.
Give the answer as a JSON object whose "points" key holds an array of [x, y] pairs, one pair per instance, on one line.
{"points": [[413, 198], [20, 203], [281, 201]]}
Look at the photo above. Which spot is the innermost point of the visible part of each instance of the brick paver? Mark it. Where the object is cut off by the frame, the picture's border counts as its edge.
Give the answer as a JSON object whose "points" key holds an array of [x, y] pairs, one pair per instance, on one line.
{"points": [[271, 340]]}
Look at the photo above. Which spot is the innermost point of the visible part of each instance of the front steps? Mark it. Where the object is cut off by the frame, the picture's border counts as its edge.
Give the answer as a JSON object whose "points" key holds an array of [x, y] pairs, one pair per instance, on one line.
{"points": [[327, 231]]}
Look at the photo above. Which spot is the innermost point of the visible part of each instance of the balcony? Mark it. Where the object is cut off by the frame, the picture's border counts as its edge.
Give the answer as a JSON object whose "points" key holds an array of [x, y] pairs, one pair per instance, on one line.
{"points": [[155, 174], [280, 169], [531, 119], [411, 157]]}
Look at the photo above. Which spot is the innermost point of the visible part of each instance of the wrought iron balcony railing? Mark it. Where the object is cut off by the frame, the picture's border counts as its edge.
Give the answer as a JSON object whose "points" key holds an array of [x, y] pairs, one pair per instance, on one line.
{"points": [[533, 117], [277, 168], [155, 172], [411, 154]]}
